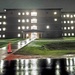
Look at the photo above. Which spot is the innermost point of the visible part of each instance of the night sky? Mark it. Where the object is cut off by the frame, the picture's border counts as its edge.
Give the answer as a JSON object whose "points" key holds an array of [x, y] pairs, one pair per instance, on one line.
{"points": [[67, 5]]}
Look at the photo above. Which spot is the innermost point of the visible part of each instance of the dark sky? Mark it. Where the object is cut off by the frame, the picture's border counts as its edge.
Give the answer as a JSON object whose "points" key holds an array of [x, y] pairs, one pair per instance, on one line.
{"points": [[68, 5]]}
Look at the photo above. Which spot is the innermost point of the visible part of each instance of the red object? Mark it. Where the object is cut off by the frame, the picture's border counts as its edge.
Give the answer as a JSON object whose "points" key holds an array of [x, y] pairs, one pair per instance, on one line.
{"points": [[9, 48]]}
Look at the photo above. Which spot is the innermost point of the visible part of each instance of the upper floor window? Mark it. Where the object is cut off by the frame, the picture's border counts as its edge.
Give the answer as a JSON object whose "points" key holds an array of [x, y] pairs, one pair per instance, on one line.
{"points": [[23, 13], [19, 13], [0, 16], [33, 13], [27, 13], [34, 20], [55, 19], [34, 27], [47, 26], [55, 13]]}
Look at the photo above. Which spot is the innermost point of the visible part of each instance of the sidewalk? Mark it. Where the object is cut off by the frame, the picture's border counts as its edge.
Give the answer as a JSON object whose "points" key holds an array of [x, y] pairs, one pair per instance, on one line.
{"points": [[15, 47]]}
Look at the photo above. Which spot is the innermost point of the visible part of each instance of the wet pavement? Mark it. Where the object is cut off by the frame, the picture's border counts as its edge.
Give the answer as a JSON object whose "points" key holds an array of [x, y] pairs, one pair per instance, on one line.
{"points": [[15, 47], [48, 66]]}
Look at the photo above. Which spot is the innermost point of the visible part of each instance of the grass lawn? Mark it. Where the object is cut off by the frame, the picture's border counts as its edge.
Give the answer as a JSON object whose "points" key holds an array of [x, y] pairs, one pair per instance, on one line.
{"points": [[49, 47], [4, 42]]}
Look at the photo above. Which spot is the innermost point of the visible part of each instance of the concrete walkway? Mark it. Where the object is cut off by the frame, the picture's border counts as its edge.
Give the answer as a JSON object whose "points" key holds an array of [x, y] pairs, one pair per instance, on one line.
{"points": [[15, 47]]}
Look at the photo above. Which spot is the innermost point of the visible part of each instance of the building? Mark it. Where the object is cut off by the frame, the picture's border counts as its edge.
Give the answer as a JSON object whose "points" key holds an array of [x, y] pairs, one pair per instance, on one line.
{"points": [[39, 23]]}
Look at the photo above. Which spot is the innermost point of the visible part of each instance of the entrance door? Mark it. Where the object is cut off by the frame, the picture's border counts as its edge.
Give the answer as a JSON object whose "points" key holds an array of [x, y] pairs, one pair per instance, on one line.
{"points": [[34, 35]]}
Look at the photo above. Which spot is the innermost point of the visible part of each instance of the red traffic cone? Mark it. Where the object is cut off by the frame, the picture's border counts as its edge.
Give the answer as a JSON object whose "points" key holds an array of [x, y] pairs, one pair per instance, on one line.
{"points": [[9, 48]]}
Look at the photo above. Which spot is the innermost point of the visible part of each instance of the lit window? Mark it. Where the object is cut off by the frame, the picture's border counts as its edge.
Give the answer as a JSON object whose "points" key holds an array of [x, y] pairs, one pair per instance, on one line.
{"points": [[19, 27], [0, 36], [4, 17], [0, 16], [4, 23], [0, 23], [23, 27], [71, 22], [74, 15], [34, 27], [68, 28], [68, 21], [0, 29], [55, 19], [23, 20], [67, 15], [27, 35], [65, 34], [4, 29], [64, 28], [27, 20], [72, 27], [72, 34], [23, 13], [19, 20], [47, 27], [64, 21], [69, 34], [55, 13], [19, 35], [34, 20], [33, 13], [19, 13], [3, 36], [27, 13], [71, 16], [5, 10], [27, 27], [64, 15]]}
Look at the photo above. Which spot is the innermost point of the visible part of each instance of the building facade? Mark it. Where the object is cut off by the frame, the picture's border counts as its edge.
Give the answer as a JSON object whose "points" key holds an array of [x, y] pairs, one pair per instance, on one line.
{"points": [[39, 23]]}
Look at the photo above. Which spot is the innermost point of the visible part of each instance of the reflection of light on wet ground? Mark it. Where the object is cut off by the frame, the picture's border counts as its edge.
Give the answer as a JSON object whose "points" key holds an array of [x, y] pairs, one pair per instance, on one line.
{"points": [[47, 66]]}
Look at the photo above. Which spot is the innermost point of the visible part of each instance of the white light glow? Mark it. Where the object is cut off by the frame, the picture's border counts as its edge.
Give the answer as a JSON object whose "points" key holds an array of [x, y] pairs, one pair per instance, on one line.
{"points": [[71, 16], [55, 19], [19, 20], [19, 35], [3, 36], [65, 34], [0, 23], [64, 16], [72, 27], [55, 13], [23, 27], [0, 29], [19, 27], [69, 34], [72, 22], [4, 29], [23, 13], [64, 21], [23, 20], [33, 13], [4, 17], [33, 20], [67, 15], [64, 28], [34, 27], [27, 13], [27, 27], [68, 28], [72, 34], [4, 23], [68, 21], [27, 20], [0, 36], [19, 13], [47, 26], [0, 16]]}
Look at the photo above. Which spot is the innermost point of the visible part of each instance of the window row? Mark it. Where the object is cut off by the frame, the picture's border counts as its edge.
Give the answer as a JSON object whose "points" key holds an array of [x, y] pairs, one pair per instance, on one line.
{"points": [[4, 23], [34, 20], [27, 20], [32, 27], [27, 27], [69, 15], [28, 13], [68, 22], [68, 28], [4, 17], [32, 13], [68, 34], [2, 36], [2, 29]]}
